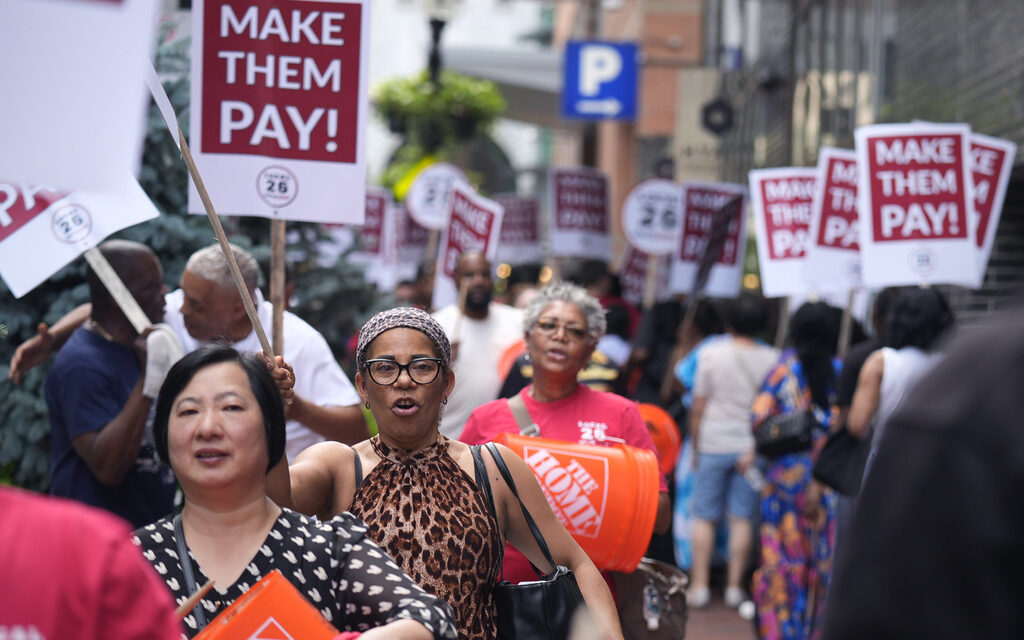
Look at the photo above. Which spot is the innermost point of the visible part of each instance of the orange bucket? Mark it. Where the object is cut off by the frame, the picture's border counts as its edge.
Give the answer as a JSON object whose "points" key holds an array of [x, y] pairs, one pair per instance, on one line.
{"points": [[607, 497], [664, 433]]}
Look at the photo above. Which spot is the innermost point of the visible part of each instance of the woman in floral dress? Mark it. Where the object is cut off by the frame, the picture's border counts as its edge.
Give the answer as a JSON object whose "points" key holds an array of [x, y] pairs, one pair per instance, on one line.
{"points": [[797, 513]]}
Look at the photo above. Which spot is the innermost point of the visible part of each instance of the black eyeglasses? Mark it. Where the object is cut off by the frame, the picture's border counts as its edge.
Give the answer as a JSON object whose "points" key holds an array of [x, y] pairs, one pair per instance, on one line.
{"points": [[385, 372], [551, 328]]}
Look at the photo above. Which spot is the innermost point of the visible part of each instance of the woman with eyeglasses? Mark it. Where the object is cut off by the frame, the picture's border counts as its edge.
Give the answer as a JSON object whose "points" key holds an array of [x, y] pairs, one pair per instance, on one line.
{"points": [[417, 491], [562, 325]]}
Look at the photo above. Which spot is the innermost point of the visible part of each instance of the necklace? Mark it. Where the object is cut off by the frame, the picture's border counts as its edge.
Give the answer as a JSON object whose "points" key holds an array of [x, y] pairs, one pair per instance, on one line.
{"points": [[95, 326]]}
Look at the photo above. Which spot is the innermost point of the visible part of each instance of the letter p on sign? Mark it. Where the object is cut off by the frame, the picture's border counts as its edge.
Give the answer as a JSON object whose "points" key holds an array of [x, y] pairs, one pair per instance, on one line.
{"points": [[598, 65]]}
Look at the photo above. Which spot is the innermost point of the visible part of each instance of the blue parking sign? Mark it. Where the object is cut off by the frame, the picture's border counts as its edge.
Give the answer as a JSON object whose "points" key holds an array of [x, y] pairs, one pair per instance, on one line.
{"points": [[600, 80]]}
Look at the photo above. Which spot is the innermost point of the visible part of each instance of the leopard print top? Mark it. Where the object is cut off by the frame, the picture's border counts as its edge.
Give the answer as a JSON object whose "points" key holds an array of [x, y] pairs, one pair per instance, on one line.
{"points": [[435, 522]]}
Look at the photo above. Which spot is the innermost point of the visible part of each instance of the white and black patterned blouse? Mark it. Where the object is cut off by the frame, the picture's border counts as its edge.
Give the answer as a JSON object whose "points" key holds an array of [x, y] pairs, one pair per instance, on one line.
{"points": [[352, 581]]}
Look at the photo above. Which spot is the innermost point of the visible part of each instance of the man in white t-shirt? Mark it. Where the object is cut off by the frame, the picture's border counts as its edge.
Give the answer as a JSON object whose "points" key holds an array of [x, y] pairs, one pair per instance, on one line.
{"points": [[207, 308], [479, 334]]}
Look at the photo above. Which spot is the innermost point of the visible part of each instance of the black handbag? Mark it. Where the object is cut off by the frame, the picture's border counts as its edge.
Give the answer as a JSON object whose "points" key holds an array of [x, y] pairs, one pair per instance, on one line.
{"points": [[541, 609], [840, 462], [652, 601], [784, 433]]}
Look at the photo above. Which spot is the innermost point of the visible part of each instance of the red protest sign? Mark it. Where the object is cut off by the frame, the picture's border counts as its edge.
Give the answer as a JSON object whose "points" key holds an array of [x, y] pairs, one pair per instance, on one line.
{"points": [[520, 237], [991, 163], [918, 188], [916, 209], [473, 224], [833, 257], [578, 221], [279, 107], [781, 199], [278, 81], [377, 201], [702, 201]]}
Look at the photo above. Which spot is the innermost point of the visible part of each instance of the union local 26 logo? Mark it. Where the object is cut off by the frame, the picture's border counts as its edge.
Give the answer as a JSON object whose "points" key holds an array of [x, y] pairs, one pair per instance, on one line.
{"points": [[575, 484], [71, 223]]}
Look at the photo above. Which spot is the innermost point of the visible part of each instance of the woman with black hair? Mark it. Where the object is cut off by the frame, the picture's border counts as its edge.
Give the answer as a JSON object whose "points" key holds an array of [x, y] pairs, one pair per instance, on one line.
{"points": [[916, 321], [797, 513], [220, 426]]}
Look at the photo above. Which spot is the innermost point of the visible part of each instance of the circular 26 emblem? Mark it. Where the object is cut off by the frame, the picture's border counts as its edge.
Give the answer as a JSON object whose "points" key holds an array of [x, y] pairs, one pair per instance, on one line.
{"points": [[277, 186], [923, 261], [71, 223]]}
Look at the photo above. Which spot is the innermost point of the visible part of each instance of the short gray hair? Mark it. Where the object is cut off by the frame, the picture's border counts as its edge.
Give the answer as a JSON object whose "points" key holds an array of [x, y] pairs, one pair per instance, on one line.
{"points": [[210, 263], [568, 292]]}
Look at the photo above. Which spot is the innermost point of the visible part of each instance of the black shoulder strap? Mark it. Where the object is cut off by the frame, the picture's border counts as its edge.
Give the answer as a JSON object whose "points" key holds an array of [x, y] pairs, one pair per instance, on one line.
{"points": [[359, 469], [534, 529], [186, 568], [483, 481]]}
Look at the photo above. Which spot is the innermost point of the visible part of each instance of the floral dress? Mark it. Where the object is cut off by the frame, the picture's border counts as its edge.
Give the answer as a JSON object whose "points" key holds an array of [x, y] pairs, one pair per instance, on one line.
{"points": [[792, 578]]}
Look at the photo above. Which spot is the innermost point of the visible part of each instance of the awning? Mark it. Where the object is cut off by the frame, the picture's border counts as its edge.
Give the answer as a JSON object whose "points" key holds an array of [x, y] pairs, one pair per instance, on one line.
{"points": [[529, 80]]}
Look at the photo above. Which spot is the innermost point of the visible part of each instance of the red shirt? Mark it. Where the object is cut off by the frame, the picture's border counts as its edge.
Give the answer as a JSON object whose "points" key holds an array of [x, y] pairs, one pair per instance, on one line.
{"points": [[71, 571], [584, 417]]}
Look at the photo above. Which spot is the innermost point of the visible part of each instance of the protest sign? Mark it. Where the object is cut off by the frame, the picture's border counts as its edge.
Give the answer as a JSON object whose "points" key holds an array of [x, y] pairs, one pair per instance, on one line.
{"points": [[633, 275], [701, 202], [578, 213], [914, 195], [781, 200], [429, 198], [833, 255], [991, 164], [378, 243], [279, 107], [651, 216], [520, 235], [43, 229], [74, 109], [412, 241], [473, 224]]}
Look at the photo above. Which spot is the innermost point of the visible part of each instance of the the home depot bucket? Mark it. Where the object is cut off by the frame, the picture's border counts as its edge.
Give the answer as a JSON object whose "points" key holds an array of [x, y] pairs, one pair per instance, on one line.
{"points": [[664, 434], [607, 497]]}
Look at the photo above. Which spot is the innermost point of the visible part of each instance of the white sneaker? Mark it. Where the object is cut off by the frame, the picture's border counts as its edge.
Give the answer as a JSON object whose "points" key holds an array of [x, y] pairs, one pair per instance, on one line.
{"points": [[698, 598], [734, 596]]}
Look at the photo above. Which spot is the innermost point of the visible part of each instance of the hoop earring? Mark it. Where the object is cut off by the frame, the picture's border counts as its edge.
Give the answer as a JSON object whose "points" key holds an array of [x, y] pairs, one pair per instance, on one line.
{"points": [[366, 404], [444, 401]]}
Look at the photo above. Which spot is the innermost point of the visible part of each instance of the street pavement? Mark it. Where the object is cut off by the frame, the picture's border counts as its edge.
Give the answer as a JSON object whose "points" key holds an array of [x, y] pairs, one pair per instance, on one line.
{"points": [[718, 622]]}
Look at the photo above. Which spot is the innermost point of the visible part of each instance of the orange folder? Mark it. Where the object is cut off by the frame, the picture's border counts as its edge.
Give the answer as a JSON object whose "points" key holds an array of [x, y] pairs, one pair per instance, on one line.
{"points": [[271, 610]]}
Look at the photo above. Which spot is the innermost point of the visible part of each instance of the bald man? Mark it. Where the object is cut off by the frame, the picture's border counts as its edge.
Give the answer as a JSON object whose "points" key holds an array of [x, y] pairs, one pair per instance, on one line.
{"points": [[101, 450], [480, 334]]}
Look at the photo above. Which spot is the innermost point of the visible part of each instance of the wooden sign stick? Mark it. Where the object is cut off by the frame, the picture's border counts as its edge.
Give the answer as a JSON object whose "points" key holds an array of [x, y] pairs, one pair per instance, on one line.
{"points": [[118, 291], [225, 246], [277, 282]]}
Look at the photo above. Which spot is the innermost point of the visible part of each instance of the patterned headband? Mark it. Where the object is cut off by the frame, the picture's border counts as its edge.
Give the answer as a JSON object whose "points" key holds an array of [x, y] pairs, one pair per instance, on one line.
{"points": [[409, 318]]}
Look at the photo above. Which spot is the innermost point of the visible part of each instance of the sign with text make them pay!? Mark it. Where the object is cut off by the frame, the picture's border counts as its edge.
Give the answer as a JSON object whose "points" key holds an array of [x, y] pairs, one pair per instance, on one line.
{"points": [[600, 80]]}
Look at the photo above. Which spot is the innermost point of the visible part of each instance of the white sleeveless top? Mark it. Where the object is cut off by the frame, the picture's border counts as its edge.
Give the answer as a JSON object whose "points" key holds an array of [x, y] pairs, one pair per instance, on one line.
{"points": [[902, 369]]}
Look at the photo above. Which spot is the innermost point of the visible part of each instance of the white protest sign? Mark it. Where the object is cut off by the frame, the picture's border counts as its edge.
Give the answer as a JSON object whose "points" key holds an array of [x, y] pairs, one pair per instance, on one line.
{"points": [[279, 107], [651, 216], [412, 240], [633, 277], [43, 229], [781, 200], [991, 164], [578, 213], [701, 202], [914, 194], [520, 229], [377, 240], [74, 105], [473, 224], [833, 255], [430, 195]]}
